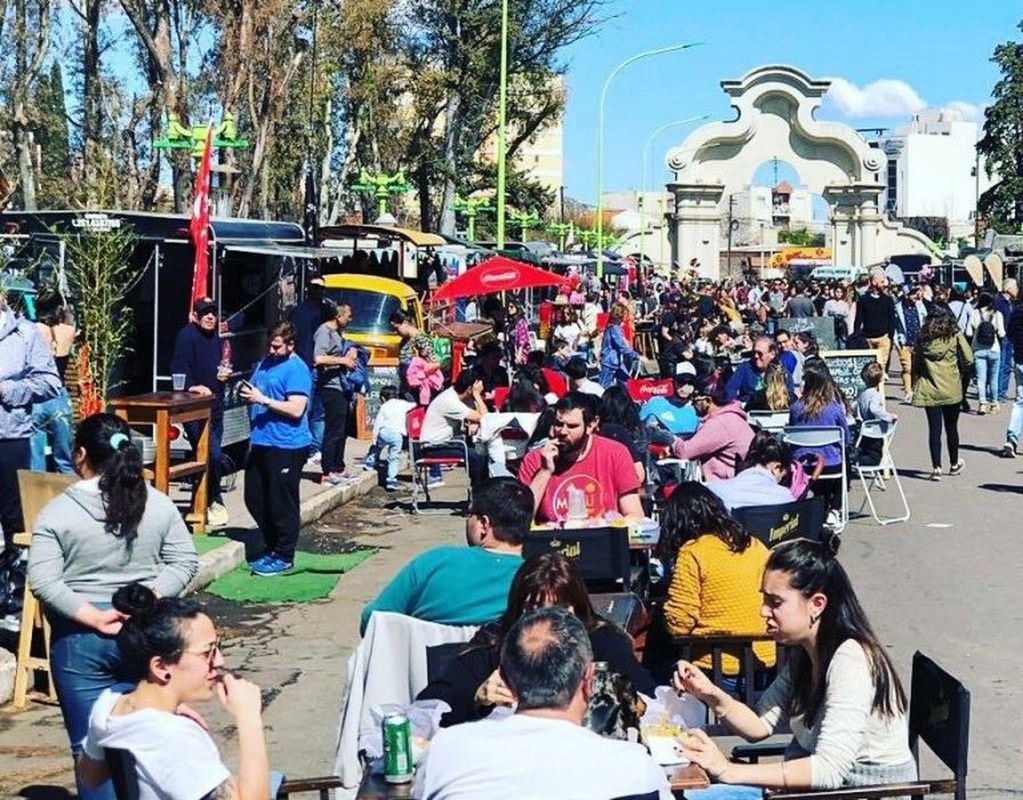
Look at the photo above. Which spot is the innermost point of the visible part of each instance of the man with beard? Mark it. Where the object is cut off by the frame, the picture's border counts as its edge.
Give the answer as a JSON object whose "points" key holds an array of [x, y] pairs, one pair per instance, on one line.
{"points": [[278, 395], [197, 356], [575, 458]]}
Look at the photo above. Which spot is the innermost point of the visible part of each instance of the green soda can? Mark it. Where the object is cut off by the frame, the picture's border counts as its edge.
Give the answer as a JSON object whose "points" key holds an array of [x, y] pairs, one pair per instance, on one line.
{"points": [[398, 766]]}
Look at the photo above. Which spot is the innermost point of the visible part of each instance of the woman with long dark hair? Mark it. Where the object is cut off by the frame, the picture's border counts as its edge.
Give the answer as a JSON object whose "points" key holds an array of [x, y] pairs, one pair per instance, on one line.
{"points": [[619, 420], [715, 572], [940, 359], [822, 404], [472, 685], [105, 531], [838, 690], [172, 653]]}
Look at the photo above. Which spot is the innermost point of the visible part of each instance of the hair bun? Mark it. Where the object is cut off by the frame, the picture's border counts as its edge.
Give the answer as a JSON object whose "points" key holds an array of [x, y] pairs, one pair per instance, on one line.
{"points": [[134, 599], [830, 545]]}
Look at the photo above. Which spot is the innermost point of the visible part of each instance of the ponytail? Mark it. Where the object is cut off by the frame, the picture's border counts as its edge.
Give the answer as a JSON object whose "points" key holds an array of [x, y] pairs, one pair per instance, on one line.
{"points": [[153, 627], [107, 442]]}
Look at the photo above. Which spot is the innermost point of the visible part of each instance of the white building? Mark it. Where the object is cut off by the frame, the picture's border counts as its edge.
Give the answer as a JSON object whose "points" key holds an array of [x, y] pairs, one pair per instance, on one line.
{"points": [[931, 167]]}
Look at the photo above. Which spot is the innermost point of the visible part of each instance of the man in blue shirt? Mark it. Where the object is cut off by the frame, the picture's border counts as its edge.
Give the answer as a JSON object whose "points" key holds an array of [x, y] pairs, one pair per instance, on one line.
{"points": [[749, 375], [466, 585], [278, 394]]}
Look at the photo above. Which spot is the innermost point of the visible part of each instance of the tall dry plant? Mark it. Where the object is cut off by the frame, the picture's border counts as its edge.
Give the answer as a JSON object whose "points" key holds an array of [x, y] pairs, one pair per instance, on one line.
{"points": [[101, 275]]}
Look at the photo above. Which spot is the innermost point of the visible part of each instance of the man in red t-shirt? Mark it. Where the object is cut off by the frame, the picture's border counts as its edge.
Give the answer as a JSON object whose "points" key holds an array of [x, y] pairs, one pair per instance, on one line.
{"points": [[576, 458]]}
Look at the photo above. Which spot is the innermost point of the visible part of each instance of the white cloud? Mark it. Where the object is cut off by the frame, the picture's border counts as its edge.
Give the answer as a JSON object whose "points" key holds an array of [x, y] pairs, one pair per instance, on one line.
{"points": [[883, 98], [970, 112]]}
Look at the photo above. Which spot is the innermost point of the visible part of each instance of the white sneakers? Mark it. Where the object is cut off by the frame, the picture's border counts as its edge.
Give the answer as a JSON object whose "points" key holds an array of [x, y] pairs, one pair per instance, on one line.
{"points": [[217, 516]]}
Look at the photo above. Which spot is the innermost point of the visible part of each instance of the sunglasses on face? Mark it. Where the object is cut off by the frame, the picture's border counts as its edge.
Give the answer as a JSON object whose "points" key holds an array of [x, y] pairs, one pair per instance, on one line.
{"points": [[210, 654]]}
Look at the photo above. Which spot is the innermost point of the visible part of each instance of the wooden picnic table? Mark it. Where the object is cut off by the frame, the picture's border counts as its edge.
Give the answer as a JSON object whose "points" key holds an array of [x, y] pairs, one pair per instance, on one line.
{"points": [[374, 787]]}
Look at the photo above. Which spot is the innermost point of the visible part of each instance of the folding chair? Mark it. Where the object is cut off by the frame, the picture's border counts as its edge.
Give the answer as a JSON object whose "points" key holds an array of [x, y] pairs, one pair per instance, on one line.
{"points": [[817, 436], [642, 389], [601, 555], [421, 460], [772, 525], [773, 421], [879, 430]]}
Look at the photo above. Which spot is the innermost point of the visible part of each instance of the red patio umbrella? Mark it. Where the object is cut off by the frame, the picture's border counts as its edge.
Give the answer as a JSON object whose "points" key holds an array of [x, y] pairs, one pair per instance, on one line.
{"points": [[498, 274]]}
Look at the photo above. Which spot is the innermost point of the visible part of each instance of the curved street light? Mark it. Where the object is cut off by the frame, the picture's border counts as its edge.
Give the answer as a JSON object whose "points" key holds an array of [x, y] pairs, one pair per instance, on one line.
{"points": [[647, 152], [600, 138]]}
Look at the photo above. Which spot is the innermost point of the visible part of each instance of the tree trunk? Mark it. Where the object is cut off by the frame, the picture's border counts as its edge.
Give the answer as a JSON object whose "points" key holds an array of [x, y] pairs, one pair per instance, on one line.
{"points": [[452, 141], [92, 119], [28, 62]]}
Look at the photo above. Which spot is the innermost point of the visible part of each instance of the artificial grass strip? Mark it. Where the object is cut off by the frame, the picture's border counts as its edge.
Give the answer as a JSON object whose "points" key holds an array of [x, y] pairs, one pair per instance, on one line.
{"points": [[313, 578], [203, 544]]}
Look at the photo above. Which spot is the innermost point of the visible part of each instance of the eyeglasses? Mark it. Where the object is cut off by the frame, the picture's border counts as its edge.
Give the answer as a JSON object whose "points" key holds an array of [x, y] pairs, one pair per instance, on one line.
{"points": [[761, 353], [210, 655]]}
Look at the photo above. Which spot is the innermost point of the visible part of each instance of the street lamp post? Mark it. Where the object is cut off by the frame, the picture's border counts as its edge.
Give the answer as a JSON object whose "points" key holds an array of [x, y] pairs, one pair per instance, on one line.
{"points": [[502, 103], [647, 153], [600, 137]]}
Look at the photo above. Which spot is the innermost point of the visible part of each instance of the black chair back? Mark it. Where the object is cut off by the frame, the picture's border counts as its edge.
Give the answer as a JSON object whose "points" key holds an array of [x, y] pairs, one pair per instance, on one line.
{"points": [[647, 796], [939, 713], [772, 525], [439, 656], [121, 764], [601, 555]]}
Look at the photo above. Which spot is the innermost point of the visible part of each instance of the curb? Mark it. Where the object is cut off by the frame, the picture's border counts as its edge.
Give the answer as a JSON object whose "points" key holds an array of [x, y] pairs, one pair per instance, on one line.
{"points": [[220, 561]]}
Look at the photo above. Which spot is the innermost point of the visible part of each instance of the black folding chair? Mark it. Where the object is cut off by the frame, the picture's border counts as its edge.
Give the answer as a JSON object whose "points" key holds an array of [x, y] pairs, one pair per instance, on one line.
{"points": [[121, 764], [601, 555], [439, 656], [801, 519]]}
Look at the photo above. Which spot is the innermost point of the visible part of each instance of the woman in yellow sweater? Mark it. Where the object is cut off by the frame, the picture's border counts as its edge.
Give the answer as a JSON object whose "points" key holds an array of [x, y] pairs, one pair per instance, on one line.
{"points": [[716, 568]]}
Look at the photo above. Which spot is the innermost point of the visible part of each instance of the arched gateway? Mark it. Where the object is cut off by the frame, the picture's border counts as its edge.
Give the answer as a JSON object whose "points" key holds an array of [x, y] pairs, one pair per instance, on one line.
{"points": [[775, 108]]}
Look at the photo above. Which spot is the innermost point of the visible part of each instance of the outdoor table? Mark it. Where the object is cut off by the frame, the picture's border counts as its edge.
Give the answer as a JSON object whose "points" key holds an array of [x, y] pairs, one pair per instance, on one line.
{"points": [[162, 410], [374, 787]]}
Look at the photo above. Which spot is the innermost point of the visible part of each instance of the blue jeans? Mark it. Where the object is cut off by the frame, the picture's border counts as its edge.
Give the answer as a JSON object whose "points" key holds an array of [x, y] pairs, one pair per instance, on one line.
{"points": [[1005, 368], [84, 665], [1016, 418], [317, 418], [724, 791], [52, 419], [391, 440], [987, 375], [611, 375]]}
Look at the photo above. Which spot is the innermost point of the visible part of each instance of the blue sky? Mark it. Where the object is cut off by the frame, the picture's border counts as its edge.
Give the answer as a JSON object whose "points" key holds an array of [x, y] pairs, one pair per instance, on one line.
{"points": [[938, 50]]}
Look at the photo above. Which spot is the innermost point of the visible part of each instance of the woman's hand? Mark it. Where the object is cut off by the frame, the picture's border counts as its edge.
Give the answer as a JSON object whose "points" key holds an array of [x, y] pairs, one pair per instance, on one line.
{"points": [[494, 692], [699, 748], [108, 622], [691, 679], [241, 699]]}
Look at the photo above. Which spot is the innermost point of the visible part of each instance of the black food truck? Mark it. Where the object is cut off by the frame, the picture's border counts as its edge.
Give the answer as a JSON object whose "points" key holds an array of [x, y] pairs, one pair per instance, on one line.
{"points": [[257, 273]]}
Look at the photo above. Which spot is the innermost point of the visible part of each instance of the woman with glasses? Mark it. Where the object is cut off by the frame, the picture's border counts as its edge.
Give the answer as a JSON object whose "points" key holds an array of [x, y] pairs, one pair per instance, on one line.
{"points": [[172, 652], [104, 532]]}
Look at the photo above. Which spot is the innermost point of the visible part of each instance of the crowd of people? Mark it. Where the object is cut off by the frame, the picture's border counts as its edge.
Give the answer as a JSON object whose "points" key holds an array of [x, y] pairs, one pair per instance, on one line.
{"points": [[110, 556]]}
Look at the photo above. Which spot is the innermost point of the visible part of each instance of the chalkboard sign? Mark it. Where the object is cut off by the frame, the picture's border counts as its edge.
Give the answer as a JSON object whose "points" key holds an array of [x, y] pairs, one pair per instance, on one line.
{"points": [[369, 404], [846, 366], [823, 328]]}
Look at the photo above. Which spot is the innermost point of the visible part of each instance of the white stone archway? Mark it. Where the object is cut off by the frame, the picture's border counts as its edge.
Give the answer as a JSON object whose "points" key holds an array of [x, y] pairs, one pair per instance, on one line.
{"points": [[775, 108]]}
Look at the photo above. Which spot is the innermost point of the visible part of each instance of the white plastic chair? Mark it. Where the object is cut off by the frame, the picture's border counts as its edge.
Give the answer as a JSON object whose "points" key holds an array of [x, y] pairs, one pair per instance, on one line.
{"points": [[772, 421], [814, 436], [879, 430]]}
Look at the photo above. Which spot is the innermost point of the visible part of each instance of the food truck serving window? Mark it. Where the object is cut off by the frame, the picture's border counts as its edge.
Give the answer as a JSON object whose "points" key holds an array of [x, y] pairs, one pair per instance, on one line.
{"points": [[371, 311]]}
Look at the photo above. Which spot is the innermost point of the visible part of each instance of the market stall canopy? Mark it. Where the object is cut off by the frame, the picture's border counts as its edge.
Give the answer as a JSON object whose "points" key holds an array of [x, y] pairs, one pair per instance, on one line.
{"points": [[498, 274]]}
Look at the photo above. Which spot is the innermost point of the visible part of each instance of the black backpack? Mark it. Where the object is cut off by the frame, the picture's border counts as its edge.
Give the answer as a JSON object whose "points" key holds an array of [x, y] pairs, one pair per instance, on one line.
{"points": [[984, 338]]}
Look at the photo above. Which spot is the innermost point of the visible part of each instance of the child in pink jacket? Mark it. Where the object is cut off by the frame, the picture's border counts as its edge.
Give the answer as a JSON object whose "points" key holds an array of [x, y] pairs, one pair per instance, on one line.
{"points": [[424, 375]]}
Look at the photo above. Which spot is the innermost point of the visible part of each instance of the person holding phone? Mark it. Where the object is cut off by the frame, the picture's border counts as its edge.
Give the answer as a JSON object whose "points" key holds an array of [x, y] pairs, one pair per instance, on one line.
{"points": [[278, 396]]}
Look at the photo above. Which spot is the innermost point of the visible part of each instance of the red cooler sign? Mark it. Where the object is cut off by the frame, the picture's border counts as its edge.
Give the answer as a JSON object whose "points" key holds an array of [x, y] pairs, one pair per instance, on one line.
{"points": [[642, 389]]}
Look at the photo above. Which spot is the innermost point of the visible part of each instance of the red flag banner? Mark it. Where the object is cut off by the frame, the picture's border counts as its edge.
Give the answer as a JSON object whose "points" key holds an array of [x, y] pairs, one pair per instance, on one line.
{"points": [[200, 224]]}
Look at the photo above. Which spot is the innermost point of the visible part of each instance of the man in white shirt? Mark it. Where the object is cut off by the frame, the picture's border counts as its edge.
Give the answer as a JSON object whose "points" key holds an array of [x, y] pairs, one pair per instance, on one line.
{"points": [[445, 418], [542, 750], [575, 370]]}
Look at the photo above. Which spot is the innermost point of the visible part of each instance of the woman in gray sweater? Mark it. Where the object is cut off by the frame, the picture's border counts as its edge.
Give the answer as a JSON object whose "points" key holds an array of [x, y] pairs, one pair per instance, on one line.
{"points": [[106, 531]]}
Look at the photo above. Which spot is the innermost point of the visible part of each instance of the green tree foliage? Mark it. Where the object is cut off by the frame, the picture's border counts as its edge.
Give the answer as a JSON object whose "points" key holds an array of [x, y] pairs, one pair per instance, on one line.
{"points": [[801, 238], [51, 135], [1002, 143]]}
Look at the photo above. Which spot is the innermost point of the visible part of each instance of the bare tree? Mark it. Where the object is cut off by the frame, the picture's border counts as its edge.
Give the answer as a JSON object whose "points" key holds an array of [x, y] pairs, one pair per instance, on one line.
{"points": [[31, 39]]}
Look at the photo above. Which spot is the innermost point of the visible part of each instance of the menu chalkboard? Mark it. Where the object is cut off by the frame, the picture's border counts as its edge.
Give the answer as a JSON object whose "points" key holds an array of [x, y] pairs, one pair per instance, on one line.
{"points": [[846, 366], [369, 404], [823, 328]]}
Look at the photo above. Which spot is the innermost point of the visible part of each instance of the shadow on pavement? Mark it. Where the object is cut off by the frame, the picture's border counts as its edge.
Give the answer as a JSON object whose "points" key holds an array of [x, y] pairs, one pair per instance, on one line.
{"points": [[46, 793], [1002, 487]]}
